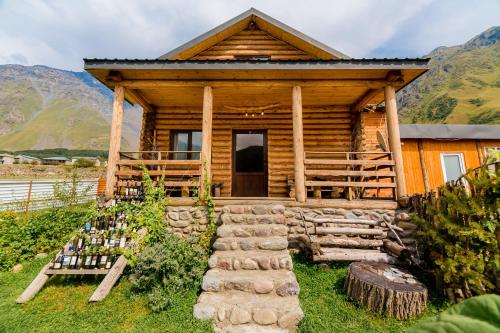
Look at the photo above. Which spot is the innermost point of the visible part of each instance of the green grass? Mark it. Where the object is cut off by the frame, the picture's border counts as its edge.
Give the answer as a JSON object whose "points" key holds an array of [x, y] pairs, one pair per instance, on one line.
{"points": [[62, 306], [328, 309]]}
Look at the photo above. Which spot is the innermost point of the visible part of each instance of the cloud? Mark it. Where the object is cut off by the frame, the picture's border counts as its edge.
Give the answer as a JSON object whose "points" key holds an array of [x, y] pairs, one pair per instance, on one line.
{"points": [[61, 33]]}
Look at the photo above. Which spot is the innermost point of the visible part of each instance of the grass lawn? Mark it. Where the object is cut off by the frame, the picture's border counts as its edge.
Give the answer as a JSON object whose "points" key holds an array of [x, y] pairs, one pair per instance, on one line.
{"points": [[328, 309], [62, 306]]}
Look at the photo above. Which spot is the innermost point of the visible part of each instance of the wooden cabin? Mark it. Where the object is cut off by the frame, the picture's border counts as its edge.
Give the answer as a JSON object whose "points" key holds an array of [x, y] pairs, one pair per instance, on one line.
{"points": [[258, 109], [435, 154]]}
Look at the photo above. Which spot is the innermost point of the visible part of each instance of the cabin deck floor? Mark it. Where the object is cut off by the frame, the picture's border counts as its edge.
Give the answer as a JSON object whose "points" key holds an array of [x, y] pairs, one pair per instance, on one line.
{"points": [[288, 202]]}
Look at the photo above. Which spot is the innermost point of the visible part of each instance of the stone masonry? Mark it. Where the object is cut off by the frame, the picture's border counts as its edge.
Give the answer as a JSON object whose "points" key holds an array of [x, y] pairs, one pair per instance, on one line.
{"points": [[250, 286]]}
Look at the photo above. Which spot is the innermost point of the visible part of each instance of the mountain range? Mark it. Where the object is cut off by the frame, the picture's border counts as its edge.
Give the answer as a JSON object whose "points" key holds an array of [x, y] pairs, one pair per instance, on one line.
{"points": [[43, 107], [462, 85]]}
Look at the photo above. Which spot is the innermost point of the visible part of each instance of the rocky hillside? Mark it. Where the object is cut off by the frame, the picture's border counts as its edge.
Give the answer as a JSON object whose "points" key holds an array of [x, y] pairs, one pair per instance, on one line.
{"points": [[43, 107], [461, 87]]}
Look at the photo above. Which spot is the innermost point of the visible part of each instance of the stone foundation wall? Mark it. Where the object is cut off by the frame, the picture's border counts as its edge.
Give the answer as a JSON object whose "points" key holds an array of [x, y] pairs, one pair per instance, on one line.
{"points": [[187, 221]]}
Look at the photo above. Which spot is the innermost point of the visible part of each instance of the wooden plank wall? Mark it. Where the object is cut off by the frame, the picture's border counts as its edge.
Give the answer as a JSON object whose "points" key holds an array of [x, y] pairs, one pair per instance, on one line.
{"points": [[325, 129], [432, 156], [253, 43]]}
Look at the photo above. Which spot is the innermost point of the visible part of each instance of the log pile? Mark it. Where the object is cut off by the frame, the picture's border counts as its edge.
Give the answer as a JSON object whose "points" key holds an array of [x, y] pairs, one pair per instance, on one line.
{"points": [[386, 289]]}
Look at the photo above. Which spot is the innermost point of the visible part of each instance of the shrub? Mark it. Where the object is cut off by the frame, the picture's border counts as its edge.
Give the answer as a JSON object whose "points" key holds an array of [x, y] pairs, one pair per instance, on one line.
{"points": [[459, 230], [441, 107], [169, 266], [23, 235], [83, 163]]}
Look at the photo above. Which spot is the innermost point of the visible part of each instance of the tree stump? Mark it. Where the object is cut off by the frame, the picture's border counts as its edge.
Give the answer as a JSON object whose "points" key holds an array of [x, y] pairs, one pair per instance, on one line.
{"points": [[384, 288]]}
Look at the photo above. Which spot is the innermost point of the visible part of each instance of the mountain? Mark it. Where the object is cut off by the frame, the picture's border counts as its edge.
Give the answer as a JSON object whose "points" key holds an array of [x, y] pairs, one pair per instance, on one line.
{"points": [[43, 107], [461, 87]]}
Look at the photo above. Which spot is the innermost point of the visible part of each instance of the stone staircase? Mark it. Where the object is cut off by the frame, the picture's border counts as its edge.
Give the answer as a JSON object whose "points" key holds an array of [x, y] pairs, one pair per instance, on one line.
{"points": [[250, 286]]}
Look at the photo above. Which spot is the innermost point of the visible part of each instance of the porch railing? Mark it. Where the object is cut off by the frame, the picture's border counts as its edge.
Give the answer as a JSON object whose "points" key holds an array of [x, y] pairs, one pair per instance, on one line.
{"points": [[350, 175], [180, 170]]}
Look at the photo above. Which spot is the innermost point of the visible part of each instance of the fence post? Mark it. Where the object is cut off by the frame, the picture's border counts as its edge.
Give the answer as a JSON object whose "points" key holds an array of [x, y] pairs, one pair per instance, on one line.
{"points": [[29, 196]]}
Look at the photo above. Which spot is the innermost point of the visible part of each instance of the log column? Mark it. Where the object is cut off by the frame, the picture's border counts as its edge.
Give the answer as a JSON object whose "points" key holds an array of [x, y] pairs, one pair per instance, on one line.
{"points": [[206, 139], [394, 138], [298, 144], [114, 140]]}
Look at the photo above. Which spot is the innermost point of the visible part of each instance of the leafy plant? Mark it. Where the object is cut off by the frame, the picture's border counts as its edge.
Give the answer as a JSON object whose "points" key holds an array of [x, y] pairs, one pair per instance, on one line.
{"points": [[207, 236], [166, 268], [70, 191], [459, 230], [23, 235], [479, 314]]}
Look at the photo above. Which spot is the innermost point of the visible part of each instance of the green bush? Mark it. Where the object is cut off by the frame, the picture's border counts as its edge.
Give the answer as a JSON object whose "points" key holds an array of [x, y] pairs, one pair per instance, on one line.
{"points": [[83, 163], [441, 107], [459, 230], [168, 267], [23, 235], [479, 314]]}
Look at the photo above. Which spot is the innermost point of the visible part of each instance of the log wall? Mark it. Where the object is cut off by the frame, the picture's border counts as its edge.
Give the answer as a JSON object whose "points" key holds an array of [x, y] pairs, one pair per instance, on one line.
{"points": [[325, 129]]}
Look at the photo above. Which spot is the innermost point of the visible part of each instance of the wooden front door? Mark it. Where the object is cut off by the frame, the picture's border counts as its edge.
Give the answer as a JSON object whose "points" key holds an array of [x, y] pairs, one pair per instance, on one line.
{"points": [[249, 163]]}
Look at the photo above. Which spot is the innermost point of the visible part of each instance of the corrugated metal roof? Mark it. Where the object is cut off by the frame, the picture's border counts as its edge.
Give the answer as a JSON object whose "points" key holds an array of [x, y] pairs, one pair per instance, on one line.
{"points": [[444, 131], [369, 63]]}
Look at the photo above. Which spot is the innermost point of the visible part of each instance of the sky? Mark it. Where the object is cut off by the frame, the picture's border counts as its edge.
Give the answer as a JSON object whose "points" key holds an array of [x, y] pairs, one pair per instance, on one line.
{"points": [[60, 33]]}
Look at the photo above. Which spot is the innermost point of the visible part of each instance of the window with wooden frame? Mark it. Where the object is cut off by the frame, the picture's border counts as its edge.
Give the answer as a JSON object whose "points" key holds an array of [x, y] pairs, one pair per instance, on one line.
{"points": [[185, 144], [452, 165]]}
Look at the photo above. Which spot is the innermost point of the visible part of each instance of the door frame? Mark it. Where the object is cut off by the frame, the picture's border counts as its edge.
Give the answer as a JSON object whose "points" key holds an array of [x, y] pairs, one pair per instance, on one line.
{"points": [[234, 132]]}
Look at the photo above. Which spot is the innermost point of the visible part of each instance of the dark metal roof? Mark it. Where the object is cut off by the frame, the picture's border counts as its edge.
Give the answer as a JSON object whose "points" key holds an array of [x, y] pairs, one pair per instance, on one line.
{"points": [[418, 131], [265, 17], [371, 63]]}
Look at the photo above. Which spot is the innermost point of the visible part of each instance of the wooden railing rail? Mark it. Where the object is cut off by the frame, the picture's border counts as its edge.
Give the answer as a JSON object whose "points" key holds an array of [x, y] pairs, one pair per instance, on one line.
{"points": [[178, 174], [352, 175]]}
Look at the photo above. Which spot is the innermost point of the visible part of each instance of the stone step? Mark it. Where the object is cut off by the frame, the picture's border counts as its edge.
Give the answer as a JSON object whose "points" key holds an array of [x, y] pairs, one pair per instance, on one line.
{"points": [[251, 260], [274, 243], [258, 230], [240, 308], [229, 218], [281, 283], [250, 328]]}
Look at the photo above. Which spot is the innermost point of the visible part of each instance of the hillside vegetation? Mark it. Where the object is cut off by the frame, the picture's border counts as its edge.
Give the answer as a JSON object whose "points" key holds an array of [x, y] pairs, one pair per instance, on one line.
{"points": [[461, 87], [43, 107]]}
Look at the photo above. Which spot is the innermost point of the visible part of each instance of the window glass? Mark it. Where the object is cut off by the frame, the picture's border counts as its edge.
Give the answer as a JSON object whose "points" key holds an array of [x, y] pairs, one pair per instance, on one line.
{"points": [[195, 145], [453, 167], [181, 143], [249, 152]]}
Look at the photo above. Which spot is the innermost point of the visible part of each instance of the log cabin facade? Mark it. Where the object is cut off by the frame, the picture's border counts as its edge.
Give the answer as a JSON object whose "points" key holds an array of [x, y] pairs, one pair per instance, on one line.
{"points": [[258, 109]]}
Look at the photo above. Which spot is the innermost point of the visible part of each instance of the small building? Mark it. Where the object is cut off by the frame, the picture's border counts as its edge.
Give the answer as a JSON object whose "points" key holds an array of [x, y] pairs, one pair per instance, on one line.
{"points": [[7, 159], [25, 159], [435, 154], [56, 160], [94, 160]]}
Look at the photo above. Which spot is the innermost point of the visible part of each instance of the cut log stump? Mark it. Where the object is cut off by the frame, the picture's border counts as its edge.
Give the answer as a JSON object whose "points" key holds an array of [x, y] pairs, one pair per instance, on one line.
{"points": [[386, 289]]}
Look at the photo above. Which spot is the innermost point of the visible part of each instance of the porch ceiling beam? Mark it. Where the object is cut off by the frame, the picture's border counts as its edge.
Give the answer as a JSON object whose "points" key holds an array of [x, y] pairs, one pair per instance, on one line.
{"points": [[136, 98], [157, 84], [365, 99]]}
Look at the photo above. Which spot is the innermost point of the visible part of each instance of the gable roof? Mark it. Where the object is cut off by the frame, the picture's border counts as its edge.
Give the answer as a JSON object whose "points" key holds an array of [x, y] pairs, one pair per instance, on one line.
{"points": [[421, 131], [266, 23]]}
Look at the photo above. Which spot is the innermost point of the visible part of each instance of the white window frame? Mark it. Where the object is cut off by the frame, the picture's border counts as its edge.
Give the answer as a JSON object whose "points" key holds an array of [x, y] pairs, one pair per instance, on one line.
{"points": [[461, 160]]}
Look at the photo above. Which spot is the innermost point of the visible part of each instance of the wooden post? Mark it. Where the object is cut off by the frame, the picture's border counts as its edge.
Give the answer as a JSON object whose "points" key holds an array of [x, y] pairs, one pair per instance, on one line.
{"points": [[391, 109], [423, 166], [298, 144], [28, 199], [109, 280], [35, 286], [479, 149], [114, 140], [206, 139]]}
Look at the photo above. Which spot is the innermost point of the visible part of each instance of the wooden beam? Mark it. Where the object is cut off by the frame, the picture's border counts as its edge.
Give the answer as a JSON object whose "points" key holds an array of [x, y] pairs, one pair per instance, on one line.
{"points": [[479, 149], [365, 99], [115, 140], [350, 184], [114, 76], [35, 286], [109, 280], [135, 97], [423, 166], [298, 144], [206, 139], [157, 84], [391, 109]]}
